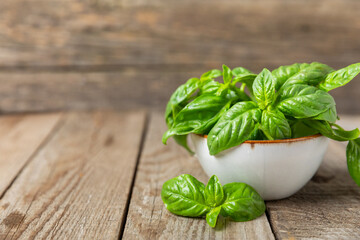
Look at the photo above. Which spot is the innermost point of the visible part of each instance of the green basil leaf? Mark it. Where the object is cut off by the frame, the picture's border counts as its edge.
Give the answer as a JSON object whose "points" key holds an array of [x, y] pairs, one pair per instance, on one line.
{"points": [[311, 75], [179, 99], [247, 79], [209, 86], [212, 216], [185, 196], [303, 101], [242, 202], [353, 159], [238, 71], [299, 129], [264, 88], [198, 116], [336, 134], [256, 133], [214, 73], [227, 74], [275, 125], [214, 192], [182, 141], [329, 115], [283, 73], [340, 77], [234, 127]]}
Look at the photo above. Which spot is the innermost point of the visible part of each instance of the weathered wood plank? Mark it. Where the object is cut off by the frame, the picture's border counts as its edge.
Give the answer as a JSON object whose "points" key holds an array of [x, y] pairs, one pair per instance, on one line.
{"points": [[77, 186], [326, 208], [75, 32], [20, 137], [148, 217], [128, 90]]}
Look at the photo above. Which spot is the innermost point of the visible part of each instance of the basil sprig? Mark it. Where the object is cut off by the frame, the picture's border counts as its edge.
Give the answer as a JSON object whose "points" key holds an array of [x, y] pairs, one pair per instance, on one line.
{"points": [[186, 196], [289, 102]]}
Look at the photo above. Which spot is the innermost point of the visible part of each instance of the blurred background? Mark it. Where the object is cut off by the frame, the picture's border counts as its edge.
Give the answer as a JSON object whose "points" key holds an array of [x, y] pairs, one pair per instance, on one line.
{"points": [[128, 54]]}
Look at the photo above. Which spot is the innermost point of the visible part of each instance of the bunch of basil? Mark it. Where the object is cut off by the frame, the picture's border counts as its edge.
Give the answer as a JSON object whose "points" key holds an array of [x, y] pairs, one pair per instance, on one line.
{"points": [[289, 102]]}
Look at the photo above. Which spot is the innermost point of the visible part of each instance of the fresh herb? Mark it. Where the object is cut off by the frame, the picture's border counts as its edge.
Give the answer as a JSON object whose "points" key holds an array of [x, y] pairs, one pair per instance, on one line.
{"points": [[186, 196], [289, 102]]}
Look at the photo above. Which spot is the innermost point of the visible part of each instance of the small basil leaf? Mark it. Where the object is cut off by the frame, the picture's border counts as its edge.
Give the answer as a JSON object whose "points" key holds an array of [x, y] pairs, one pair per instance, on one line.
{"points": [[247, 79], [240, 71], [227, 74], [283, 73], [340, 77], [336, 134], [214, 73], [299, 129], [353, 159], [212, 216], [214, 192], [256, 133], [234, 127], [303, 101], [274, 123], [198, 116], [329, 115], [179, 99], [311, 75], [242, 202], [264, 88], [185, 196], [209, 86], [182, 141]]}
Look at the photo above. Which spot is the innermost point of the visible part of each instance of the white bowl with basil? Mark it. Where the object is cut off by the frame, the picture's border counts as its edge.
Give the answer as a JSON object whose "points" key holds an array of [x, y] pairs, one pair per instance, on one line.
{"points": [[275, 168], [269, 130]]}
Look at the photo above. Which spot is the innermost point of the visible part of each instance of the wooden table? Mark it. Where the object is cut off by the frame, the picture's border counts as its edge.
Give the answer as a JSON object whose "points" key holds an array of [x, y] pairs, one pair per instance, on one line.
{"points": [[98, 175]]}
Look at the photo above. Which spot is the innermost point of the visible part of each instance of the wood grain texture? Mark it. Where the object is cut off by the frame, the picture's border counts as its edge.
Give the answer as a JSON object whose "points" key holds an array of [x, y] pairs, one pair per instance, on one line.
{"points": [[20, 137], [148, 217], [74, 32], [326, 208], [77, 186], [134, 88]]}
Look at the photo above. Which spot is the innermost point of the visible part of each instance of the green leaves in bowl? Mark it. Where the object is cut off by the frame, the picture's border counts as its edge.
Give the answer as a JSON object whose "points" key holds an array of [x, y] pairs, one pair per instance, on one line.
{"points": [[289, 102], [186, 196]]}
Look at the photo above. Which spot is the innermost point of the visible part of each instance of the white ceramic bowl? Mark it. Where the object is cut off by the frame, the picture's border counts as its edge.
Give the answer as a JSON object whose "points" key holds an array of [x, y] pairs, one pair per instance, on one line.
{"points": [[276, 169]]}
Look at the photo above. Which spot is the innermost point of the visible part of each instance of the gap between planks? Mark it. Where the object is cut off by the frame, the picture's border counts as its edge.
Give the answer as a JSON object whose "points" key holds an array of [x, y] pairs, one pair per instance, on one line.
{"points": [[143, 136]]}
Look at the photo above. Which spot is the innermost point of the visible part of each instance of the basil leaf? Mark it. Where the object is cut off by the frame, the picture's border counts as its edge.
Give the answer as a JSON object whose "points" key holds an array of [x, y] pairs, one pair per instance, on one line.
{"points": [[242, 202], [214, 73], [336, 134], [303, 101], [179, 99], [311, 75], [198, 116], [212, 216], [275, 125], [182, 141], [209, 86], [185, 196], [227, 74], [329, 115], [247, 79], [283, 73], [234, 127], [238, 71], [214, 192], [264, 88], [256, 133], [299, 129], [340, 77], [353, 159]]}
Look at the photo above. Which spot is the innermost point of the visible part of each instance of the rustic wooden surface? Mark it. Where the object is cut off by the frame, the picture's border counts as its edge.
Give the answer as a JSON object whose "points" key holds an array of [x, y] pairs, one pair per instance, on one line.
{"points": [[98, 175], [122, 54]]}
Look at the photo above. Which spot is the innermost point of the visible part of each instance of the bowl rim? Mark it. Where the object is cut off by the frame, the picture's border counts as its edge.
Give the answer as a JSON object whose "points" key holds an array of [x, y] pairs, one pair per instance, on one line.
{"points": [[288, 140]]}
